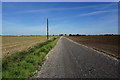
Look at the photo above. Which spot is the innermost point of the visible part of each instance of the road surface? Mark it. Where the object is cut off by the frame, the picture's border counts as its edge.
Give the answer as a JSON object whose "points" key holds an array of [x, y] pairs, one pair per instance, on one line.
{"points": [[71, 60]]}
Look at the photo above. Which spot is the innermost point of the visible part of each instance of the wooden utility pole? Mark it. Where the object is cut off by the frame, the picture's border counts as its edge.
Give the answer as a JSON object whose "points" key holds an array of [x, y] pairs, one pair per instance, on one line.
{"points": [[47, 30]]}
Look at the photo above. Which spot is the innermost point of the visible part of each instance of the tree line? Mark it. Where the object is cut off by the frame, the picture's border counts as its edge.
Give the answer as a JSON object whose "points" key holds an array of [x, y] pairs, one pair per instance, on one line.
{"points": [[86, 35]]}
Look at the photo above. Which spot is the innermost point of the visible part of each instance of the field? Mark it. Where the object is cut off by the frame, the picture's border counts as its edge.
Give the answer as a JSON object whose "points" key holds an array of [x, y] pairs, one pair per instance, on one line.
{"points": [[106, 44], [24, 64], [13, 44]]}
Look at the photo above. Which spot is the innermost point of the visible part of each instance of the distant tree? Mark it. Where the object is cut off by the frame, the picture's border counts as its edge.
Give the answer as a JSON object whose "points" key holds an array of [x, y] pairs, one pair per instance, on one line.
{"points": [[77, 35], [61, 35], [73, 35], [70, 34], [108, 34]]}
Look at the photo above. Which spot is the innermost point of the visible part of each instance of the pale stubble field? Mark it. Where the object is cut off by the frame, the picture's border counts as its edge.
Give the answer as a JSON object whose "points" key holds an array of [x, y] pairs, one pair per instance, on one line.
{"points": [[13, 44]]}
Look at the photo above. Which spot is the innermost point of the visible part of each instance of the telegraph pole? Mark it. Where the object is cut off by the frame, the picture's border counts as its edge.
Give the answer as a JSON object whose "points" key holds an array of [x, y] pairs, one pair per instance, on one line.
{"points": [[47, 30]]}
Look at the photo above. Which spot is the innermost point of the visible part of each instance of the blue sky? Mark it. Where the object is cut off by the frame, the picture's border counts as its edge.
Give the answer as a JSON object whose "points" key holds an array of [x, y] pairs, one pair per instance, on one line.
{"points": [[19, 18]]}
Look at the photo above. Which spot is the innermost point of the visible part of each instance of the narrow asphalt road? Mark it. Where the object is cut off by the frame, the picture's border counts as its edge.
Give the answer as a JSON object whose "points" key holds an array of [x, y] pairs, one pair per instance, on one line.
{"points": [[71, 60]]}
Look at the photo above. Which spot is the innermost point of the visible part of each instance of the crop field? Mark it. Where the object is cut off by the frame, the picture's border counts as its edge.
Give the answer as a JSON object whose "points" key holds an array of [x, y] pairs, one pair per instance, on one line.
{"points": [[106, 44], [13, 44], [24, 64]]}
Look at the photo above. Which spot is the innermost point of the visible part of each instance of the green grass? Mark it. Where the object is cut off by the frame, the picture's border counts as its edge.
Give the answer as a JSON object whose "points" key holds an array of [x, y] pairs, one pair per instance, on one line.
{"points": [[24, 64]]}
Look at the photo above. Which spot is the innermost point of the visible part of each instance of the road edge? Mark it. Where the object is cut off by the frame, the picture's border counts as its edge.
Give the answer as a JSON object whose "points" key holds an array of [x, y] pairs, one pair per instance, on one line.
{"points": [[46, 57], [114, 58]]}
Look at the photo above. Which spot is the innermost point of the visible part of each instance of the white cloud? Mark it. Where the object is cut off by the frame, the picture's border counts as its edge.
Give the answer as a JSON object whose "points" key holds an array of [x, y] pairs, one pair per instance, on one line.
{"points": [[84, 14], [96, 12], [70, 8], [93, 13]]}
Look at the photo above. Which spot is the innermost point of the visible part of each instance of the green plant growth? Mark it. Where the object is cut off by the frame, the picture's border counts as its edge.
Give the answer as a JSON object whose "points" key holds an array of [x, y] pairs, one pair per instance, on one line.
{"points": [[24, 64]]}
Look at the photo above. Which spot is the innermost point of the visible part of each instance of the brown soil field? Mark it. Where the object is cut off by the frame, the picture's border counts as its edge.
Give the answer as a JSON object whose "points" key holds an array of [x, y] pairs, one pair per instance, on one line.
{"points": [[13, 44], [105, 44]]}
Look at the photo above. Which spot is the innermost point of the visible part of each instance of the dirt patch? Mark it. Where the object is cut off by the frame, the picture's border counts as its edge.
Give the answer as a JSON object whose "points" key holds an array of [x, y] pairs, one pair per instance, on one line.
{"points": [[105, 44]]}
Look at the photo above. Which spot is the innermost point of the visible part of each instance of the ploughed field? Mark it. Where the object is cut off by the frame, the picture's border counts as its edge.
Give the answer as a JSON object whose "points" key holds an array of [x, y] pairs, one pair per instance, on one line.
{"points": [[106, 44], [13, 44]]}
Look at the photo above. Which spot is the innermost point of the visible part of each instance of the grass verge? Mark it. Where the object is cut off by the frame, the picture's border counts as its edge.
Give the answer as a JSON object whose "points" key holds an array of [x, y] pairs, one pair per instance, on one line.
{"points": [[24, 64]]}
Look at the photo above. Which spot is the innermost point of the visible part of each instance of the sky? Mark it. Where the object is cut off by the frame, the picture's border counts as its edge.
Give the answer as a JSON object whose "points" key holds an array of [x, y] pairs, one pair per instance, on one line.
{"points": [[30, 18], [60, 0]]}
